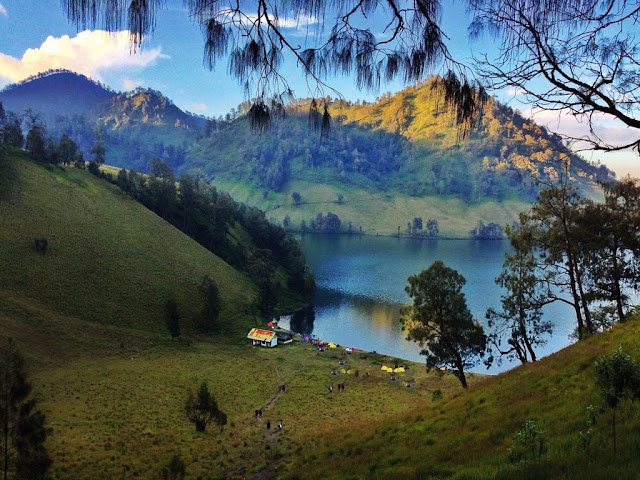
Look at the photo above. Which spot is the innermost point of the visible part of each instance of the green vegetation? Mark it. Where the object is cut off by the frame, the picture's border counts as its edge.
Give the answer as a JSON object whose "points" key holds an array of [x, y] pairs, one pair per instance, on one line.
{"points": [[90, 317], [402, 147], [469, 435], [22, 427], [120, 261], [201, 409], [440, 321]]}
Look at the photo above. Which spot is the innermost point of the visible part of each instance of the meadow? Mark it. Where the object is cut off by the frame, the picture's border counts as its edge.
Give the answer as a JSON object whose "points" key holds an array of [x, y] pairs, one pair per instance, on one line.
{"points": [[88, 315]]}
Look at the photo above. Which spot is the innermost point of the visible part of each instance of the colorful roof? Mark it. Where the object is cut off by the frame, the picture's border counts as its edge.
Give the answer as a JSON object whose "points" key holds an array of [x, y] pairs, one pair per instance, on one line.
{"points": [[261, 335]]}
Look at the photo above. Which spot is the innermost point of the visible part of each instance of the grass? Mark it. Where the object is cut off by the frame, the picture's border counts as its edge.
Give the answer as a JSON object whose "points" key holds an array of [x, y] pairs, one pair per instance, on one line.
{"points": [[467, 436], [376, 213], [88, 316]]}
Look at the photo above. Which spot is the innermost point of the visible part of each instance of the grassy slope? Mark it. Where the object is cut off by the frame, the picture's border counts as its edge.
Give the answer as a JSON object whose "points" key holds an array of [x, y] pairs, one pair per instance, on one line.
{"points": [[375, 212], [110, 259], [466, 437], [113, 390], [88, 316]]}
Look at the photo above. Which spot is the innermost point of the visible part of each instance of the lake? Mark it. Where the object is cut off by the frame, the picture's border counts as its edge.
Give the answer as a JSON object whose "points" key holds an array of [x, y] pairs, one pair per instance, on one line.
{"points": [[361, 282]]}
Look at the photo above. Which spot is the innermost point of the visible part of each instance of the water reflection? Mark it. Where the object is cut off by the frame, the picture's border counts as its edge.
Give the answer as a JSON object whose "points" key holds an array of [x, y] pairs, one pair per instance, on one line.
{"points": [[302, 320], [361, 284]]}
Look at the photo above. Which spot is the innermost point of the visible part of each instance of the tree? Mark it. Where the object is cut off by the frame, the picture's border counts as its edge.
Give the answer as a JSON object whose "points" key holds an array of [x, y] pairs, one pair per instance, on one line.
{"points": [[296, 197], [554, 230], [618, 378], [12, 132], [99, 150], [201, 409], [432, 227], [519, 323], [173, 318], [35, 142], [611, 244], [174, 470], [161, 188], [440, 321], [22, 427], [67, 149], [211, 309], [578, 58]]}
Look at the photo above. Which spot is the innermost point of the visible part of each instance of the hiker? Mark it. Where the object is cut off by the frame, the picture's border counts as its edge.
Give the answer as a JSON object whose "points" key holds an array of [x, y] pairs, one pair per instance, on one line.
{"points": [[268, 424], [280, 425], [256, 414], [330, 388]]}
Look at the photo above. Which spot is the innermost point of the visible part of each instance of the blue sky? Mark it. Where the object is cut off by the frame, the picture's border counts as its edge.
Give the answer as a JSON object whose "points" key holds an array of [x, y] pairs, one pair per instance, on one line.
{"points": [[40, 37]]}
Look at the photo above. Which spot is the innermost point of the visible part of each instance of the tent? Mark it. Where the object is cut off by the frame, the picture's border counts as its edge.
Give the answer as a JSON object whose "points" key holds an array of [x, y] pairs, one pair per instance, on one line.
{"points": [[332, 345]]}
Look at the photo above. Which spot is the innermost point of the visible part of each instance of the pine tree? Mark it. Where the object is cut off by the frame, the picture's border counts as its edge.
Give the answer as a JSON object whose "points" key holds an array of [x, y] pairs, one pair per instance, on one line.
{"points": [[22, 427]]}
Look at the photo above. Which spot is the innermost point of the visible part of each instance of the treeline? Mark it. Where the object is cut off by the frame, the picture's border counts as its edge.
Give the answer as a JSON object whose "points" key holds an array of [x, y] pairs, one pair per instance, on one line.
{"points": [[390, 146], [573, 250], [210, 218]]}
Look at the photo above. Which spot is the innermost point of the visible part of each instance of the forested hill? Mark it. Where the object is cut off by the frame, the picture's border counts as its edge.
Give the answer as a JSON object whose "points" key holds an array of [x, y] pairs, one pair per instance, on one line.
{"points": [[135, 126], [55, 93], [402, 143]]}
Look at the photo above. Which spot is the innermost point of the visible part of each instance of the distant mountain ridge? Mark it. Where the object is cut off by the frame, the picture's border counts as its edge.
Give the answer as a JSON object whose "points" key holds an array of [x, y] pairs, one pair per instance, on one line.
{"points": [[56, 92], [135, 125], [401, 155]]}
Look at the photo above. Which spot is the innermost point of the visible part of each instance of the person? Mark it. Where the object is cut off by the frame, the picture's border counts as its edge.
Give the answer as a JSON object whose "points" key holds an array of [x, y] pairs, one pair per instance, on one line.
{"points": [[330, 388], [280, 425], [268, 424]]}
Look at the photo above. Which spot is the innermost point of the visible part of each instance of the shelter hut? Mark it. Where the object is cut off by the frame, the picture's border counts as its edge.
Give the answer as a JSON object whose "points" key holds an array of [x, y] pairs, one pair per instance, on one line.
{"points": [[264, 338]]}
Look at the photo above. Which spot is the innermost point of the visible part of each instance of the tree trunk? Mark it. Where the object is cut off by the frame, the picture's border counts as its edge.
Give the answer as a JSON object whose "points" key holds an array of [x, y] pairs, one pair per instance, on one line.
{"points": [[5, 426], [574, 294], [614, 431]]}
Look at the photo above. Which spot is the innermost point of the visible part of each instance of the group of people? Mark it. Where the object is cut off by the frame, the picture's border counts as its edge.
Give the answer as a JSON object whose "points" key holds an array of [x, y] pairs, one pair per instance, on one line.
{"points": [[340, 388], [280, 426]]}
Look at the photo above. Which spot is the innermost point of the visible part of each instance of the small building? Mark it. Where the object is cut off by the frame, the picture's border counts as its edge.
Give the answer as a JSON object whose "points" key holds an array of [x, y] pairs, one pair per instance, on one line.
{"points": [[284, 337], [265, 338]]}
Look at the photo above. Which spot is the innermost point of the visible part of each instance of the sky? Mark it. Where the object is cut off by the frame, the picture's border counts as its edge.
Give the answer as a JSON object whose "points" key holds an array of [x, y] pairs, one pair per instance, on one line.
{"points": [[40, 37]]}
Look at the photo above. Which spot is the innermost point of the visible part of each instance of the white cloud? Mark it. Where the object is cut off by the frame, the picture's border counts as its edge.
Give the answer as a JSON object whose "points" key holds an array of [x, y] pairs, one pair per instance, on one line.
{"points": [[131, 83], [605, 127], [513, 92], [199, 107], [89, 53], [3, 11]]}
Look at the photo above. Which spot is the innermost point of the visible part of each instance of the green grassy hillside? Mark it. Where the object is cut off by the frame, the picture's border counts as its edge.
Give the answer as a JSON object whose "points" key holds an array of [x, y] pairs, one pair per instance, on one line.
{"points": [[398, 158], [88, 316], [110, 260], [376, 213], [468, 436]]}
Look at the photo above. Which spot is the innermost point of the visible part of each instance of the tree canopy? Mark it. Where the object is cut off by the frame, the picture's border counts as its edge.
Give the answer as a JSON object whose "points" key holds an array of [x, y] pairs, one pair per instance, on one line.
{"points": [[440, 321]]}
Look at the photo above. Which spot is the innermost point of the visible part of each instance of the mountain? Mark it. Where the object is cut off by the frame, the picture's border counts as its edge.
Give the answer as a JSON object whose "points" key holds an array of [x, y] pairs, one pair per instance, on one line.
{"points": [[386, 163], [383, 166], [135, 126], [56, 92]]}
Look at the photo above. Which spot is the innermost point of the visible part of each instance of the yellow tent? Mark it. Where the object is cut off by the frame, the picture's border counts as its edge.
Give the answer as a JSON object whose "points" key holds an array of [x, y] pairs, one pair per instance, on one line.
{"points": [[332, 345], [384, 368], [443, 369], [398, 370], [342, 370]]}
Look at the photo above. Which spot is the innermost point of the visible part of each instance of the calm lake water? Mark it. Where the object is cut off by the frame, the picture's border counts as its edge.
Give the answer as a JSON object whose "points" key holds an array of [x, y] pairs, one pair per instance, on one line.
{"points": [[361, 282]]}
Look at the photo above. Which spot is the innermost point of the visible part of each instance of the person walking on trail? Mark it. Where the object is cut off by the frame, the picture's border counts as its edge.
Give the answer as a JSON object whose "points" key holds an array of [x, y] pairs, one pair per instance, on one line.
{"points": [[268, 424], [280, 425]]}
